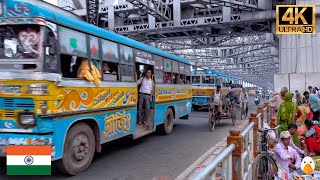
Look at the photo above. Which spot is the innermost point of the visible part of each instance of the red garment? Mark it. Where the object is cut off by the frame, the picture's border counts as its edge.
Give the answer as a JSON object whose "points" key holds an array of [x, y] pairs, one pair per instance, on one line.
{"points": [[310, 115], [303, 144], [312, 144], [318, 132], [298, 115]]}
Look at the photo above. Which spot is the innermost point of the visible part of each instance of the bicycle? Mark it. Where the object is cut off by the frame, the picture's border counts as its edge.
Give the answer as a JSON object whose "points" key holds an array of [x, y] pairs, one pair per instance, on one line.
{"points": [[232, 112], [244, 110], [214, 117], [264, 166]]}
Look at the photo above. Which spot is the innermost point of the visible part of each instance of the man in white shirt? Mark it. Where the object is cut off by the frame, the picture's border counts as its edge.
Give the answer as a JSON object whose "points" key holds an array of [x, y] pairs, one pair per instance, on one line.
{"points": [[215, 99], [278, 99], [145, 97], [244, 101]]}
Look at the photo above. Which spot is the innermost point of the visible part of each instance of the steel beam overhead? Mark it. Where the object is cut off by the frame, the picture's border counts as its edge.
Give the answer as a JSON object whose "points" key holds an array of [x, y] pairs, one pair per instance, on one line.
{"points": [[232, 36]]}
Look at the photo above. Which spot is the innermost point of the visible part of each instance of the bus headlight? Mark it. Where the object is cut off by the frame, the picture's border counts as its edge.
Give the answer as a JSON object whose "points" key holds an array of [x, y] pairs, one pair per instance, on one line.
{"points": [[27, 119]]}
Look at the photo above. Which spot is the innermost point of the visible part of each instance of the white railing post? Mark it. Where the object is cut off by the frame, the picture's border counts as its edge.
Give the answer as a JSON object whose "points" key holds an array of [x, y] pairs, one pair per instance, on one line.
{"points": [[247, 155], [209, 172], [235, 137]]}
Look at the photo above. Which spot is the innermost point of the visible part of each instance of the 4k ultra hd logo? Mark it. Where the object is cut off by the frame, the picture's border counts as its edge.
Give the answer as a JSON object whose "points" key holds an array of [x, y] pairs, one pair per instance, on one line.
{"points": [[296, 19]]}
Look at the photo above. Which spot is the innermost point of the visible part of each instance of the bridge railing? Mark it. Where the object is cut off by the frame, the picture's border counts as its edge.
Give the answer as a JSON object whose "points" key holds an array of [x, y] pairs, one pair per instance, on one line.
{"points": [[242, 147], [210, 171]]}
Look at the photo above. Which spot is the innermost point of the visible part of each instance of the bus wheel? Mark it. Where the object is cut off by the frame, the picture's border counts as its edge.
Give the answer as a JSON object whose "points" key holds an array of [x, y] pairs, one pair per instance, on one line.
{"points": [[167, 127], [78, 151]]}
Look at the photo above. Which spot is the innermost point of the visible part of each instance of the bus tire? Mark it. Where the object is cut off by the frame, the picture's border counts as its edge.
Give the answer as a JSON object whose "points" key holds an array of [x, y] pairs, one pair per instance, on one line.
{"points": [[167, 127], [78, 151], [185, 117]]}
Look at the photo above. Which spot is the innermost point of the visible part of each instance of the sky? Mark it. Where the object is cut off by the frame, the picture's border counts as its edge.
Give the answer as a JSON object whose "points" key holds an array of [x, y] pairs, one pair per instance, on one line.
{"points": [[55, 2]]}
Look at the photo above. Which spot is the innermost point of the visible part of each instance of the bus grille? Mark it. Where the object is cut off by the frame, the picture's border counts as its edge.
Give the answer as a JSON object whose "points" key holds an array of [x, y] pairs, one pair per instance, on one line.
{"points": [[17, 103], [11, 106]]}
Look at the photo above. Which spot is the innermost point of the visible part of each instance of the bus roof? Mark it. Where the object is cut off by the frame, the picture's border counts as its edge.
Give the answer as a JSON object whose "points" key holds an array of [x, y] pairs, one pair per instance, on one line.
{"points": [[216, 73], [36, 8]]}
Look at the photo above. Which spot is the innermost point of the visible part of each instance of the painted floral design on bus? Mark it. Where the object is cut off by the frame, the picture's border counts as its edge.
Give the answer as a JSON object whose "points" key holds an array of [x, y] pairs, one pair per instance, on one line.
{"points": [[19, 9], [73, 99], [95, 98]]}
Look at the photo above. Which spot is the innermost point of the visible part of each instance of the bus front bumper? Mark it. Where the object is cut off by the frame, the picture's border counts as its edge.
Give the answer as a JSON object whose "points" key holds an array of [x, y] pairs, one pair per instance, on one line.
{"points": [[7, 139]]}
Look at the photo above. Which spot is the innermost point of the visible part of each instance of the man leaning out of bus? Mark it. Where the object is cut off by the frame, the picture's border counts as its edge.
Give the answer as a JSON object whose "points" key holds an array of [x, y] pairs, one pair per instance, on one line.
{"points": [[145, 97]]}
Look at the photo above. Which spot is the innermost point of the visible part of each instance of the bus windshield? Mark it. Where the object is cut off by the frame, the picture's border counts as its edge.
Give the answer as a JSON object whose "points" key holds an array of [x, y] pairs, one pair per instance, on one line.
{"points": [[18, 42]]}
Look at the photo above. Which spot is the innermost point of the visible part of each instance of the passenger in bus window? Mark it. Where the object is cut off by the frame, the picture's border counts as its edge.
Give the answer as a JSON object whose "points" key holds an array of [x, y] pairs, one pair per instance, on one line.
{"points": [[181, 79], [167, 78], [175, 78], [106, 69], [145, 97]]}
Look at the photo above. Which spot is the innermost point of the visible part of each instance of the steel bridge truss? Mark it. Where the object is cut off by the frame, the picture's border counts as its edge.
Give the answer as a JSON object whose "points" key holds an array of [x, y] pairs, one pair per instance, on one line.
{"points": [[233, 36]]}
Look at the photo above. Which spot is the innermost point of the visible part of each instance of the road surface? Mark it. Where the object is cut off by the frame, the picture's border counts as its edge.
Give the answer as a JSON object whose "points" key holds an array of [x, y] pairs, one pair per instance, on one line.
{"points": [[153, 155]]}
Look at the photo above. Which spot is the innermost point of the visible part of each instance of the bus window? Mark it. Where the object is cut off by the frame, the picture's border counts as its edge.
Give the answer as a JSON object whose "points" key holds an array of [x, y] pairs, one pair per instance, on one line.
{"points": [[70, 65], [167, 78], [110, 71], [158, 76], [188, 74], [50, 58], [127, 73], [182, 79], [195, 79], [175, 78], [188, 78], [20, 42], [72, 42], [208, 80]]}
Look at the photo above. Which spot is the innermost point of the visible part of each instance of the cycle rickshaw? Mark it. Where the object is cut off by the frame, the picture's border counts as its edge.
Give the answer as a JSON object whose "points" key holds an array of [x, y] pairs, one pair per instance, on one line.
{"points": [[226, 110]]}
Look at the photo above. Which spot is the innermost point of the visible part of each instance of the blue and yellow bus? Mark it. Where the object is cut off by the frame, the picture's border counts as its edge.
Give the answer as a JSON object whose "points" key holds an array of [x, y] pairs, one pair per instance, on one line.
{"points": [[72, 85], [204, 82]]}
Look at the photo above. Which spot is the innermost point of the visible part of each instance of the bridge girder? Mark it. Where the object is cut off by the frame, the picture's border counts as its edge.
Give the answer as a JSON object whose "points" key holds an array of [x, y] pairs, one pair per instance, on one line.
{"points": [[233, 36]]}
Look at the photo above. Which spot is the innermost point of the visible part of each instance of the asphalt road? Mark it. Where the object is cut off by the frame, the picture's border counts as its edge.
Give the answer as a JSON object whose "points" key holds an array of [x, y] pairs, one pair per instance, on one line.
{"points": [[153, 155]]}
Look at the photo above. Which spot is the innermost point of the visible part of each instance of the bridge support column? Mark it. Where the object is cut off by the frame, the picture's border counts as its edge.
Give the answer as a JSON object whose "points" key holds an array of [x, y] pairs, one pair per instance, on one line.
{"points": [[253, 118], [235, 137]]}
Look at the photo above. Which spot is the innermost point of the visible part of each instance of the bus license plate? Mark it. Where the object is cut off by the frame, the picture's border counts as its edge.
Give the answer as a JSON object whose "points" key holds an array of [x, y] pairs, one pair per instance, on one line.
{"points": [[200, 104]]}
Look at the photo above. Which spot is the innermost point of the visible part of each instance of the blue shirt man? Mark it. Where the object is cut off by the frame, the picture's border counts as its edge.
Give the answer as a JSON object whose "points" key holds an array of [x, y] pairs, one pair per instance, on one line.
{"points": [[314, 102]]}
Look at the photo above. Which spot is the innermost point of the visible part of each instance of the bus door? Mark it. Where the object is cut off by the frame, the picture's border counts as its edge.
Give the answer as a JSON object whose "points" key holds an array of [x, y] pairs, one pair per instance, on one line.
{"points": [[141, 70]]}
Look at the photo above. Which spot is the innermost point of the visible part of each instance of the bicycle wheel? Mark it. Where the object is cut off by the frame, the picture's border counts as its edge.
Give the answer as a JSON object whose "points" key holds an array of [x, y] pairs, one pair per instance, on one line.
{"points": [[217, 118], [259, 167], [273, 168], [211, 122], [241, 111], [264, 169], [233, 116]]}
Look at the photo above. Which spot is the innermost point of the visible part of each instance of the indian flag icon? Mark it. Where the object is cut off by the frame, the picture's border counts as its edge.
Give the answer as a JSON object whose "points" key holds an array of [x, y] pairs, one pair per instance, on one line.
{"points": [[28, 160]]}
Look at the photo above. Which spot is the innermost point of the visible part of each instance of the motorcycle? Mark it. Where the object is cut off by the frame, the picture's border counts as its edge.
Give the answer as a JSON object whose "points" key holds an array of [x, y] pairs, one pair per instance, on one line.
{"points": [[257, 101]]}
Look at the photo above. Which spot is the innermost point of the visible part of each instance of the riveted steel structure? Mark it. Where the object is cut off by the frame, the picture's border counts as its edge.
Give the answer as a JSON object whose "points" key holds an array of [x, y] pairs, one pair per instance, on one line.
{"points": [[233, 36]]}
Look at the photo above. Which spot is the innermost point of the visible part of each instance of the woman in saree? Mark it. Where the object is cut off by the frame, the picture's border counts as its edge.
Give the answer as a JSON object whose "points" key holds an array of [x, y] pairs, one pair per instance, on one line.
{"points": [[286, 114]]}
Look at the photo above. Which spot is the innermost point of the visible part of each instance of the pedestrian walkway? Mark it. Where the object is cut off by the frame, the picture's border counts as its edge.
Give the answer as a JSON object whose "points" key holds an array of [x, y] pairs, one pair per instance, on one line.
{"points": [[208, 157], [213, 152]]}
